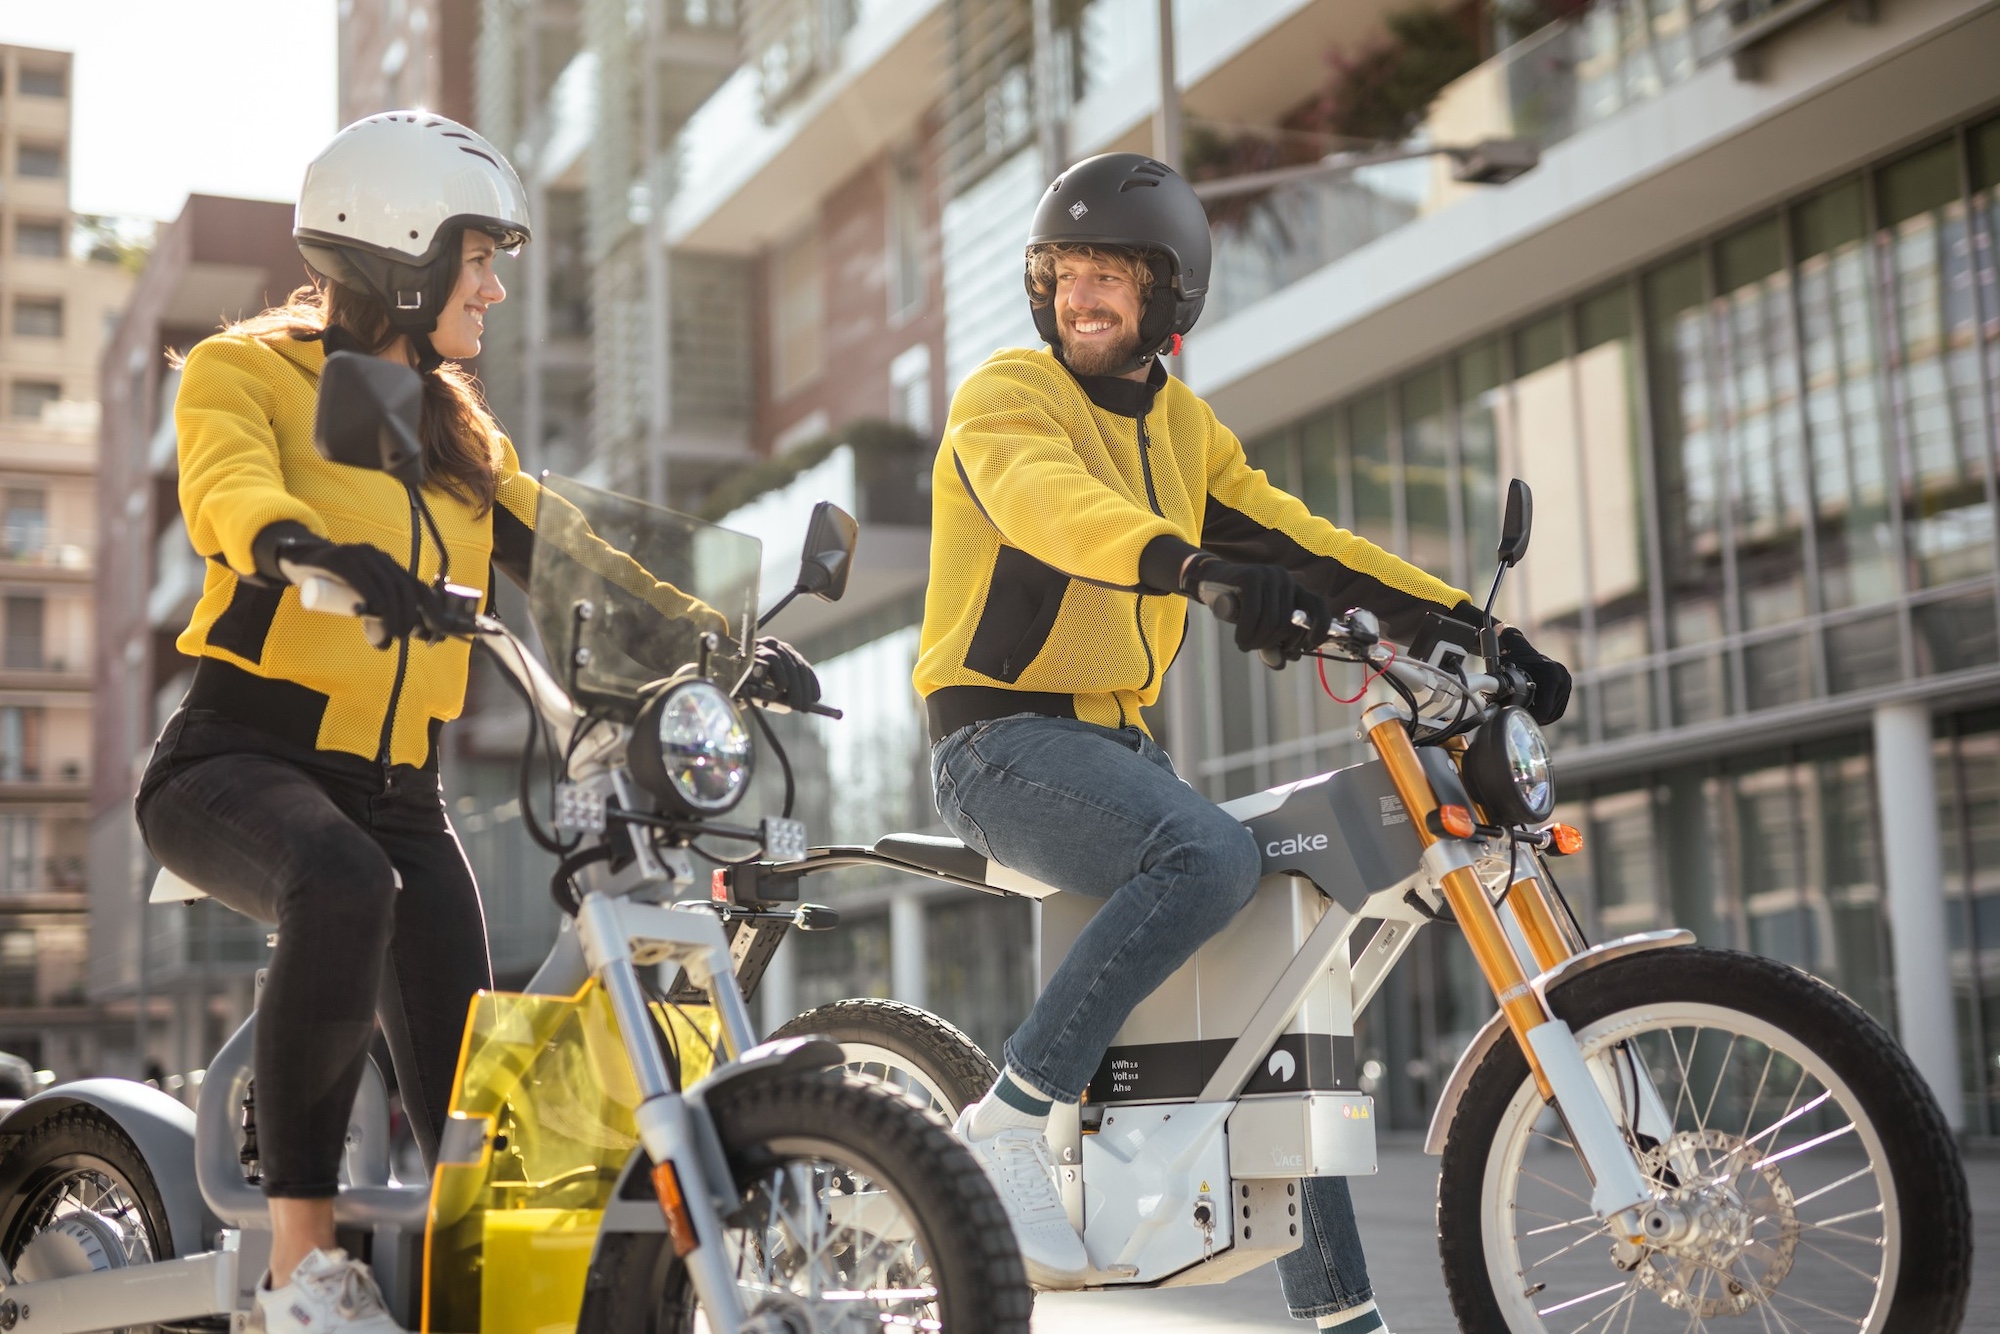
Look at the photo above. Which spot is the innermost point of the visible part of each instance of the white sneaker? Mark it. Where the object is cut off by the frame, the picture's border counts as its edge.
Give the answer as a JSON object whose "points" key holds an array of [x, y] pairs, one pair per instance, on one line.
{"points": [[328, 1292], [1024, 1174]]}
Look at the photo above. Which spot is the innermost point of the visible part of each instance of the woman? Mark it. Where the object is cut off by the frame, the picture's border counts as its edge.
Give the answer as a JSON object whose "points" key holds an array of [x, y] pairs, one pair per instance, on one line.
{"points": [[298, 782]]}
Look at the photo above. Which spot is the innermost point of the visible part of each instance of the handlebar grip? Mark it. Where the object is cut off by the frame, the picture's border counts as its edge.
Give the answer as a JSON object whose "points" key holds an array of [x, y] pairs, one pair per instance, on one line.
{"points": [[1220, 599], [332, 596], [824, 710]]}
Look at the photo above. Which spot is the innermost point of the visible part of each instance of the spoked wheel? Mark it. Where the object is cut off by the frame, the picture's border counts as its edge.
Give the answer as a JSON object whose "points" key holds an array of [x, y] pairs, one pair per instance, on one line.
{"points": [[76, 1198], [909, 1049], [1817, 1185], [856, 1212]]}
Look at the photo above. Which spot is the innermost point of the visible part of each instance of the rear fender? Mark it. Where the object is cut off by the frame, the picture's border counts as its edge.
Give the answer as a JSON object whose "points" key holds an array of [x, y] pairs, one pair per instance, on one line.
{"points": [[1496, 1027], [160, 1127]]}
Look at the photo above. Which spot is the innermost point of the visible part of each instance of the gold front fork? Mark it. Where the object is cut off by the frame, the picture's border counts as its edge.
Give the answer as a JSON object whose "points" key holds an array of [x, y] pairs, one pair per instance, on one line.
{"points": [[1491, 948]]}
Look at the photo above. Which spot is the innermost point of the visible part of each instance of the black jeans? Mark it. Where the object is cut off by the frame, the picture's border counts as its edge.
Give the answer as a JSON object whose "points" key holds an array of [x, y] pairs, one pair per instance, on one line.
{"points": [[313, 841]]}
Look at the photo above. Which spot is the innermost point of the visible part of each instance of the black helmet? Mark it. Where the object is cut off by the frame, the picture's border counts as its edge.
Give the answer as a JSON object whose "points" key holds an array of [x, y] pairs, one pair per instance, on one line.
{"points": [[1134, 202]]}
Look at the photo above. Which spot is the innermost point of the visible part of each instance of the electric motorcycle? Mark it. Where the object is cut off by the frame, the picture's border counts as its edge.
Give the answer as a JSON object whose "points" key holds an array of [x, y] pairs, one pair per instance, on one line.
{"points": [[622, 1154], [1647, 1135]]}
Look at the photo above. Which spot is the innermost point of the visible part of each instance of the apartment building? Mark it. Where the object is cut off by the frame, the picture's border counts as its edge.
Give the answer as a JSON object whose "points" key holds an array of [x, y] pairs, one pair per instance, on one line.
{"points": [[1737, 328], [172, 981], [59, 295]]}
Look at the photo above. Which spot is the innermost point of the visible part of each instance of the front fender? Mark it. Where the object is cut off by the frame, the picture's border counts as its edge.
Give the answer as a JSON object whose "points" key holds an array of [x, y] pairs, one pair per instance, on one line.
{"points": [[1496, 1027], [634, 1207], [160, 1127]]}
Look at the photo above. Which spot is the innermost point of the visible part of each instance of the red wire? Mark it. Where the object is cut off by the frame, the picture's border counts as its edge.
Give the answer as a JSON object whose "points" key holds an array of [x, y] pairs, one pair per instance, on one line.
{"points": [[1366, 681]]}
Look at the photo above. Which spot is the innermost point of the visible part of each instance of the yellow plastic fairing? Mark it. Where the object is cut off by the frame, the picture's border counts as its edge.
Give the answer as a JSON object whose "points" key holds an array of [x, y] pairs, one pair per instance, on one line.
{"points": [[546, 1078]]}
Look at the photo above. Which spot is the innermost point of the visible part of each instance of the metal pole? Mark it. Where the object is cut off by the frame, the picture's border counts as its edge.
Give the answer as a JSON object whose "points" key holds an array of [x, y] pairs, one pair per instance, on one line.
{"points": [[1051, 100], [659, 398], [1167, 117], [535, 261]]}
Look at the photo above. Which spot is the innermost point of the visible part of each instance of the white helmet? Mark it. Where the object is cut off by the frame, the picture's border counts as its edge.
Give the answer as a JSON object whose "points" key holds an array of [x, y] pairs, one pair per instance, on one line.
{"points": [[383, 201]]}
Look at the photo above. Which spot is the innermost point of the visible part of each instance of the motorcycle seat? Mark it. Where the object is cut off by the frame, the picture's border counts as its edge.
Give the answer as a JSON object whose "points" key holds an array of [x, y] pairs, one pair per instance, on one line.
{"points": [[948, 856], [170, 888]]}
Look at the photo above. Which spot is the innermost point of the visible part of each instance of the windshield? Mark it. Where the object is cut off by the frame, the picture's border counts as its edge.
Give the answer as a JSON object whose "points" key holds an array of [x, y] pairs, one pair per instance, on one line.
{"points": [[623, 591]]}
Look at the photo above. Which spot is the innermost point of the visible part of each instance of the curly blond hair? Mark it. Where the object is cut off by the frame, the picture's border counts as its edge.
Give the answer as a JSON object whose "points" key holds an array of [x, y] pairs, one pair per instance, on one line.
{"points": [[1043, 258]]}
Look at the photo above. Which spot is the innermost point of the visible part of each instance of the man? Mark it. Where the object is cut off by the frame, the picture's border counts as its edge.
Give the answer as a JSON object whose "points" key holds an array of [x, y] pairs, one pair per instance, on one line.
{"points": [[1081, 496]]}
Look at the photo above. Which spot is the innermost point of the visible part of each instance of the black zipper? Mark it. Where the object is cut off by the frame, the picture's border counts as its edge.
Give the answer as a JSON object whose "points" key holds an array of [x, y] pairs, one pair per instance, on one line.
{"points": [[402, 655], [1139, 599]]}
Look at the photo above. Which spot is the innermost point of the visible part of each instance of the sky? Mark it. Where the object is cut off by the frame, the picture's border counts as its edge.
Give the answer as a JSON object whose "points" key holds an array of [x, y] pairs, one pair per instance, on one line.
{"points": [[174, 97]]}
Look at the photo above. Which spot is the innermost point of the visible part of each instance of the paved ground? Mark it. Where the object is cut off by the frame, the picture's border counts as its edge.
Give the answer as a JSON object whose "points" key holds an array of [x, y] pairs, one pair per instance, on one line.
{"points": [[1396, 1209]]}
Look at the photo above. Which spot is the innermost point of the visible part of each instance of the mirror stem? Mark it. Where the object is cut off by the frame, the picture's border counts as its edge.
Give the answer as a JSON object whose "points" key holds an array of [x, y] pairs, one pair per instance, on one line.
{"points": [[782, 603], [1489, 638]]}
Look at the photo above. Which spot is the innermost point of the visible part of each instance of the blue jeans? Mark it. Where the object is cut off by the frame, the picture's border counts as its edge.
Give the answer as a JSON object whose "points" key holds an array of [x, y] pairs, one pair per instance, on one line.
{"points": [[1100, 812]]}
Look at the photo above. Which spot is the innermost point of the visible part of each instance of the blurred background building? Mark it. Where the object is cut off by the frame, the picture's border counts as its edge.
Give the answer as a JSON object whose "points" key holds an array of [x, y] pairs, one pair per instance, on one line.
{"points": [[61, 281], [174, 980], [1740, 328]]}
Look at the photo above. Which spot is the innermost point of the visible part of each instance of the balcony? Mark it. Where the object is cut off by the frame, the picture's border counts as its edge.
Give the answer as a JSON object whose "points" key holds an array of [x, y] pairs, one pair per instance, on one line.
{"points": [[36, 556], [1650, 138], [752, 167]]}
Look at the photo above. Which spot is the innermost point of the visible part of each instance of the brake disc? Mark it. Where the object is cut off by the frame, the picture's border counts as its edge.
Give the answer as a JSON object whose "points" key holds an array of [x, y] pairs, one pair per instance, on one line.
{"points": [[1747, 1227]]}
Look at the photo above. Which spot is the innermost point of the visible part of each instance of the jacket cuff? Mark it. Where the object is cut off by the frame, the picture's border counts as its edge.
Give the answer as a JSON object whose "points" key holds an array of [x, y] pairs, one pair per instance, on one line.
{"points": [[264, 547], [1160, 563], [1472, 616]]}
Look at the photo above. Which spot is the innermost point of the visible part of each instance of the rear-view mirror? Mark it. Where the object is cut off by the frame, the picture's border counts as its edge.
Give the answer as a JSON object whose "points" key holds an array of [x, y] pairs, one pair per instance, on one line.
{"points": [[367, 416], [1517, 524], [829, 552]]}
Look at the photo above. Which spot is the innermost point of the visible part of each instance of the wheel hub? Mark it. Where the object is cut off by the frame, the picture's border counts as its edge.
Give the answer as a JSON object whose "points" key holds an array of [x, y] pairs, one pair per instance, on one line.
{"points": [[1723, 1241], [77, 1243]]}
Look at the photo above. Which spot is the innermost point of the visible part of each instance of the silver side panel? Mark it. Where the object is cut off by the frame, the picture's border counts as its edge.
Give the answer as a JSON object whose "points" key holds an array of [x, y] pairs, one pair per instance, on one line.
{"points": [[201, 1285]]}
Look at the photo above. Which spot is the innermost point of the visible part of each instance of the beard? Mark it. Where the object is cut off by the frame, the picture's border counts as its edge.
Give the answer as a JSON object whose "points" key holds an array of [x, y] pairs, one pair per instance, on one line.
{"points": [[1100, 356]]}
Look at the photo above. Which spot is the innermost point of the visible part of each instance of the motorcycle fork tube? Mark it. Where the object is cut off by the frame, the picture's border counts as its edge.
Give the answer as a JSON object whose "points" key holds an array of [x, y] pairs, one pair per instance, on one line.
{"points": [[664, 1129], [1484, 933], [1528, 899]]}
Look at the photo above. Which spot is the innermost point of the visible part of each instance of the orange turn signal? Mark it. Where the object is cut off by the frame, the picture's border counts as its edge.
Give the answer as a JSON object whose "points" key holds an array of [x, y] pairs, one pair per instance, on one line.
{"points": [[1565, 840], [718, 884], [680, 1226], [1455, 822]]}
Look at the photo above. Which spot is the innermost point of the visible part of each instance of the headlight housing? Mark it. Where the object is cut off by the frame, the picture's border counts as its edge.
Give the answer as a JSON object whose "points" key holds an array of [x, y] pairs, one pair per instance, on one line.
{"points": [[1507, 769], [691, 749]]}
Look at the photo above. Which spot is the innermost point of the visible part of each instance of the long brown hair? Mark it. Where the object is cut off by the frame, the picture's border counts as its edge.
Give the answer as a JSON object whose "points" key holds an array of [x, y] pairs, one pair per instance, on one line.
{"points": [[461, 440]]}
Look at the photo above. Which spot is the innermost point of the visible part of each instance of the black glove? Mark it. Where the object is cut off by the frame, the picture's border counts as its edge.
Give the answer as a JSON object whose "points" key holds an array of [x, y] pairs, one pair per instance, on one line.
{"points": [[1265, 597], [1551, 678], [389, 593], [788, 678]]}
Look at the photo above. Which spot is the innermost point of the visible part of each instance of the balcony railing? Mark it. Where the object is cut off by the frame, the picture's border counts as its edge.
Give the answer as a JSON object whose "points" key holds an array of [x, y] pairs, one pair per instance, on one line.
{"points": [[1547, 87], [35, 547]]}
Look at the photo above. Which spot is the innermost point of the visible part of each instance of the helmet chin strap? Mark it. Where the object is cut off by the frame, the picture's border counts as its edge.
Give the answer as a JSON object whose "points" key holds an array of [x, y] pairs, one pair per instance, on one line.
{"points": [[428, 357]]}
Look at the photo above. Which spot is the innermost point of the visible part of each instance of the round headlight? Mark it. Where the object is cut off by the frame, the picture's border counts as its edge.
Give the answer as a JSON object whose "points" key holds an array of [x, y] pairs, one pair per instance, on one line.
{"points": [[690, 749], [1507, 770]]}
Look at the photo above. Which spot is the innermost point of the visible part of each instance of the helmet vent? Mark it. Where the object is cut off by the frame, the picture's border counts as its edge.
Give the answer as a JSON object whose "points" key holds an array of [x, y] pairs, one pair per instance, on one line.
{"points": [[1135, 183], [343, 217], [476, 153]]}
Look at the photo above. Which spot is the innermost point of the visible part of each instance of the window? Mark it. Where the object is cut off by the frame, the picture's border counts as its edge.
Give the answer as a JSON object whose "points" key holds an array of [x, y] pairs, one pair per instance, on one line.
{"points": [[38, 317], [32, 397], [906, 237], [20, 848], [20, 744], [910, 389], [21, 650], [38, 160], [44, 83], [24, 525], [41, 240], [798, 311]]}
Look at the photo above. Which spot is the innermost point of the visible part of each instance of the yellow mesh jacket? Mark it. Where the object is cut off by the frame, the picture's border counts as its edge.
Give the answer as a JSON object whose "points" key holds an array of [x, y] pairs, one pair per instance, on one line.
{"points": [[1047, 490], [244, 416]]}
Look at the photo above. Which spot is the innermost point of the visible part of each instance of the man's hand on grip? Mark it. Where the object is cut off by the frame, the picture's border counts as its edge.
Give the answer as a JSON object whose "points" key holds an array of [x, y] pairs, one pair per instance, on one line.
{"points": [[1265, 598]]}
